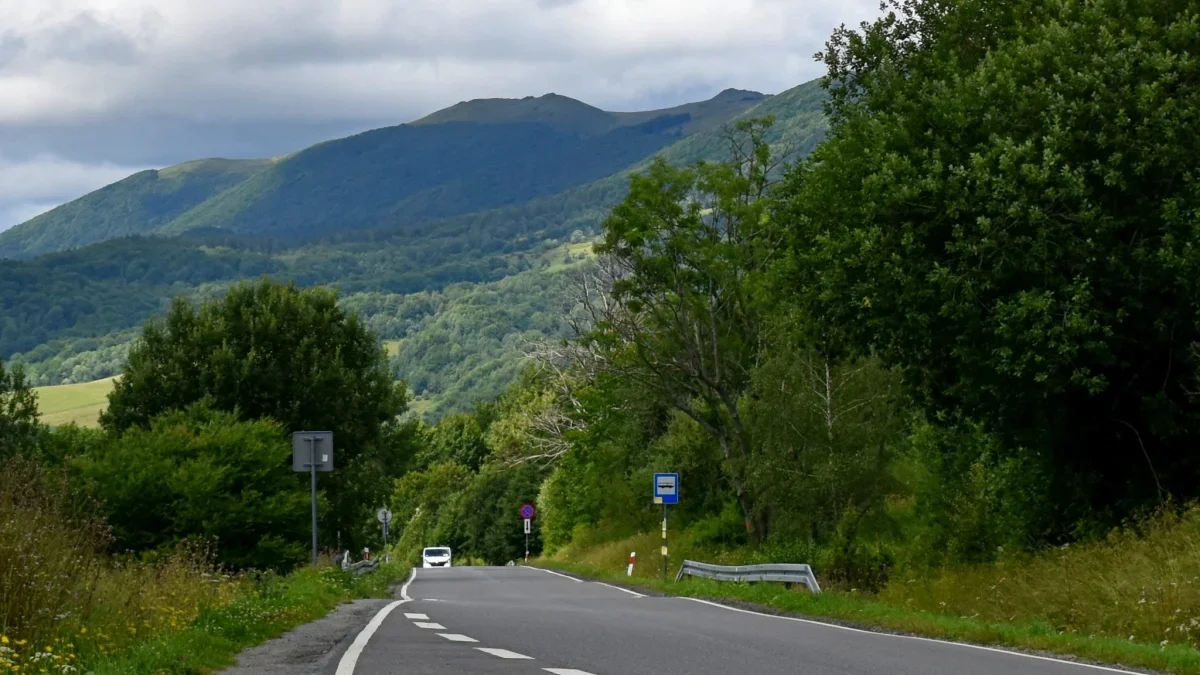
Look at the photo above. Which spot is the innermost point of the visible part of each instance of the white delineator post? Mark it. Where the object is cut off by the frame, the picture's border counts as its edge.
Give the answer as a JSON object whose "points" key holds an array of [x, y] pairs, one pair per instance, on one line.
{"points": [[632, 559]]}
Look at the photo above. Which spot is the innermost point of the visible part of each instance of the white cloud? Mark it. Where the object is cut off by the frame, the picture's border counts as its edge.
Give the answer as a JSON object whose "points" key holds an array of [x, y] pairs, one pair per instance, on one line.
{"points": [[309, 59]]}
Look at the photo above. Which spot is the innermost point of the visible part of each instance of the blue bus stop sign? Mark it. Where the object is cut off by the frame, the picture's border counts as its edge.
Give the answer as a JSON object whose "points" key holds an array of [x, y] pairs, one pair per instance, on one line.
{"points": [[666, 488]]}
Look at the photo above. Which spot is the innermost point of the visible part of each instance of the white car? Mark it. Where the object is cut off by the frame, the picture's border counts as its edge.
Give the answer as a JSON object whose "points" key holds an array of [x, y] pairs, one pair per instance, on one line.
{"points": [[436, 556]]}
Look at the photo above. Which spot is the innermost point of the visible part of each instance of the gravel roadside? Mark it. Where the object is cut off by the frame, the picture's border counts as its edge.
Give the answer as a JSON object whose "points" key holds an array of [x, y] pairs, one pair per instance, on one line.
{"points": [[311, 649]]}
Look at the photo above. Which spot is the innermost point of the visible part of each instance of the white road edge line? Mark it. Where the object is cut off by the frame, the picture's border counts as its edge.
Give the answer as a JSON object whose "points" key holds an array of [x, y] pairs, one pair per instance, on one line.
{"points": [[404, 588], [457, 637], [503, 653], [913, 637], [566, 671], [578, 581], [625, 590], [429, 624], [349, 660]]}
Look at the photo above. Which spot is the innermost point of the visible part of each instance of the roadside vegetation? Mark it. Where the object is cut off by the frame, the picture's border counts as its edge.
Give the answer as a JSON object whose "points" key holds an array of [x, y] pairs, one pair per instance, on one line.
{"points": [[949, 359], [173, 536]]}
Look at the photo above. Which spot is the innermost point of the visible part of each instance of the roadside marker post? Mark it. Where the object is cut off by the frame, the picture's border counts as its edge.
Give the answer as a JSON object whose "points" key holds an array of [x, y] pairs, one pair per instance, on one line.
{"points": [[666, 491], [632, 559], [527, 513], [312, 451]]}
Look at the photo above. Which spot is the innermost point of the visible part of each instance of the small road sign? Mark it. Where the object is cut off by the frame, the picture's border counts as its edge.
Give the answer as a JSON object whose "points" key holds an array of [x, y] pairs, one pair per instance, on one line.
{"points": [[666, 488], [527, 528], [312, 447], [384, 516], [528, 512]]}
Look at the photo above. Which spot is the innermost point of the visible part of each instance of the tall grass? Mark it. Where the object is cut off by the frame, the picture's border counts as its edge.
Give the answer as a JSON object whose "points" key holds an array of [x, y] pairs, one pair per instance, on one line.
{"points": [[67, 607], [63, 601], [1141, 583]]}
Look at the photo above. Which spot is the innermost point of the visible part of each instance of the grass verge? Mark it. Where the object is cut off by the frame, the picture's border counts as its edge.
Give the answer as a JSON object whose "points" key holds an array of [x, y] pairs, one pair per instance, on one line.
{"points": [[273, 606], [264, 608], [864, 611]]}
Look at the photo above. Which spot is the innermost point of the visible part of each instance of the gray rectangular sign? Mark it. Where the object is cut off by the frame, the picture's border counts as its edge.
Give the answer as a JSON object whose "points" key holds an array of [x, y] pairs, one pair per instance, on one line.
{"points": [[306, 443]]}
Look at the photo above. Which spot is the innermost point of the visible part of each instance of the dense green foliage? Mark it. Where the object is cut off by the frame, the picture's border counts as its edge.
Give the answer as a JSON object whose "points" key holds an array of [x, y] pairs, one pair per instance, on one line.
{"points": [[1021, 247], [461, 491], [266, 350], [19, 429], [196, 449], [202, 473]]}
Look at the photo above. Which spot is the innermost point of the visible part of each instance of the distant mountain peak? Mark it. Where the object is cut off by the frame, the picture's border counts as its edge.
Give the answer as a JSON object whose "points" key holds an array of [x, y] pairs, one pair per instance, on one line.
{"points": [[740, 95], [561, 112]]}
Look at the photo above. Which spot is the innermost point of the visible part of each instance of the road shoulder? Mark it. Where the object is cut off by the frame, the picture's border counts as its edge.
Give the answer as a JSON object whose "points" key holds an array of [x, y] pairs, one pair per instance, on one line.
{"points": [[312, 648]]}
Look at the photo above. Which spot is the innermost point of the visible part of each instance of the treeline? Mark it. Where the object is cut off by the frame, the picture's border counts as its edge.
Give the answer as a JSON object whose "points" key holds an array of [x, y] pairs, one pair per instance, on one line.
{"points": [[195, 442], [56, 306], [127, 546], [967, 324]]}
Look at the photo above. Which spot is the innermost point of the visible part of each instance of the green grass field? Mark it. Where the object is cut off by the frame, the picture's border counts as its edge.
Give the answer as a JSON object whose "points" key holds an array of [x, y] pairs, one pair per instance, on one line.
{"points": [[392, 347], [79, 403]]}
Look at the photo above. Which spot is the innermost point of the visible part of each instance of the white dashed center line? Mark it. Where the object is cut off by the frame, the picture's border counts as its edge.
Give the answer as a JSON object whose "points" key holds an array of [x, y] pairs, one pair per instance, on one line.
{"points": [[455, 637], [503, 653], [566, 671], [426, 624], [409, 615]]}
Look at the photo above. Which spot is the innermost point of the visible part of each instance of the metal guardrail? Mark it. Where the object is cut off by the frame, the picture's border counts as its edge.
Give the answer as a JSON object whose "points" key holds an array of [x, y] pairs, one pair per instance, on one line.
{"points": [[363, 567], [787, 573]]}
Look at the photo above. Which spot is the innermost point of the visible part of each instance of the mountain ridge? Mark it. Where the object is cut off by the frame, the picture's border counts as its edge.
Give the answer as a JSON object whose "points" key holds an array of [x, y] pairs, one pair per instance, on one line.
{"points": [[485, 153], [68, 316]]}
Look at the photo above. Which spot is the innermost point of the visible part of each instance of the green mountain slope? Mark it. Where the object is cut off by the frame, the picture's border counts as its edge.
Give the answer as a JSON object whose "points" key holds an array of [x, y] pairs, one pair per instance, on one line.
{"points": [[68, 315], [135, 205], [409, 174], [474, 156]]}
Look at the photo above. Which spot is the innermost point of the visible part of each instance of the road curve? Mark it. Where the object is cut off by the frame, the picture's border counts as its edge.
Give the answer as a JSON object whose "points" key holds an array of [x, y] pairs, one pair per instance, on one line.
{"points": [[519, 620]]}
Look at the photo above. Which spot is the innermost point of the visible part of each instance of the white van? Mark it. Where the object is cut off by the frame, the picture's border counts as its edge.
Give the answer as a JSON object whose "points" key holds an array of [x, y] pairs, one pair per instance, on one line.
{"points": [[436, 556]]}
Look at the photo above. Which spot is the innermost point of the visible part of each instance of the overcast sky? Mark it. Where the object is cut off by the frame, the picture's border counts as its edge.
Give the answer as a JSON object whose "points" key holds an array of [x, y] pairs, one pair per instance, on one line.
{"points": [[93, 90]]}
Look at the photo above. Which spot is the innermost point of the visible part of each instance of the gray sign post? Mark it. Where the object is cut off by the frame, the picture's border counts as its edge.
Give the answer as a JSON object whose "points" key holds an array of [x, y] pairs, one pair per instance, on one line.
{"points": [[312, 451], [384, 515]]}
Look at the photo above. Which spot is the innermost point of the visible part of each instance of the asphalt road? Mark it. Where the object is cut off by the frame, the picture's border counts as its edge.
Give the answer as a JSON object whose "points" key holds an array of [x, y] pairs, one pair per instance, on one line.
{"points": [[528, 621]]}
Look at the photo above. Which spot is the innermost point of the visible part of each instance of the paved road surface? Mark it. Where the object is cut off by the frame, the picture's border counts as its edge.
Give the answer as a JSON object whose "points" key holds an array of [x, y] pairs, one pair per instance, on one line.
{"points": [[526, 621]]}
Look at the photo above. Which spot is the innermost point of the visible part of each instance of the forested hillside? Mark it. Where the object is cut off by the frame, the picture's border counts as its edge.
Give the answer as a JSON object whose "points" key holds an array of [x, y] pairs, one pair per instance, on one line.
{"points": [[68, 317]]}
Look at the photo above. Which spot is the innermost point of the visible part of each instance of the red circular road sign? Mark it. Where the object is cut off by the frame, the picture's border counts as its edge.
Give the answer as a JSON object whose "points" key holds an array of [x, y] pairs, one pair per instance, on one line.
{"points": [[528, 512]]}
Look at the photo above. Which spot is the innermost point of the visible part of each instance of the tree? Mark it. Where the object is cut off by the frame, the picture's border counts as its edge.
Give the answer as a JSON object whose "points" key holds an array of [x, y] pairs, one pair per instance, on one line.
{"points": [[202, 474], [266, 350], [1008, 214], [457, 438], [20, 426], [686, 256]]}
